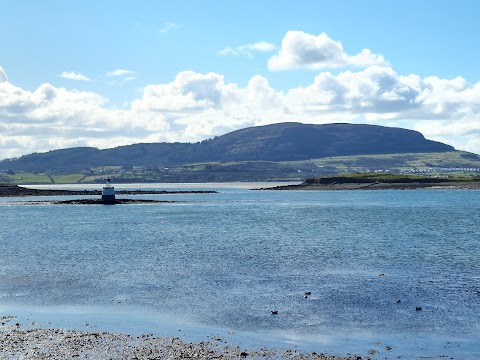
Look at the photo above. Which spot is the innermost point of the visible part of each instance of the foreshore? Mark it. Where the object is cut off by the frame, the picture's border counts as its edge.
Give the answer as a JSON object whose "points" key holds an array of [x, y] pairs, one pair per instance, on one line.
{"points": [[94, 201], [20, 191], [21, 341], [457, 185]]}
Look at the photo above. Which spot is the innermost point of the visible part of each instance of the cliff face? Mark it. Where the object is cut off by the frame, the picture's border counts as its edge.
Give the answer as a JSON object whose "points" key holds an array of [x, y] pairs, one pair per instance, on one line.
{"points": [[277, 142]]}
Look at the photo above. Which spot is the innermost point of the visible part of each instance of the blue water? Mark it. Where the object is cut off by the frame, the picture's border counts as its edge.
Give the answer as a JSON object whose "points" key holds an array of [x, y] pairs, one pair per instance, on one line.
{"points": [[219, 263]]}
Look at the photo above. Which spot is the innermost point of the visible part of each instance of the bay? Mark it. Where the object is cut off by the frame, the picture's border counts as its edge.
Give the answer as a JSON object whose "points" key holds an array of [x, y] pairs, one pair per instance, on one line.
{"points": [[219, 263]]}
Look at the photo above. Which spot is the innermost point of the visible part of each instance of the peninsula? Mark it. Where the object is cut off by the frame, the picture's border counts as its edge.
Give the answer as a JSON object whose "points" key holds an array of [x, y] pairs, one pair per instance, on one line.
{"points": [[383, 181]]}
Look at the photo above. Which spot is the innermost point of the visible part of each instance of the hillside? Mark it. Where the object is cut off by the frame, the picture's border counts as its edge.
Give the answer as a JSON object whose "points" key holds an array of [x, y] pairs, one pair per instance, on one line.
{"points": [[270, 143]]}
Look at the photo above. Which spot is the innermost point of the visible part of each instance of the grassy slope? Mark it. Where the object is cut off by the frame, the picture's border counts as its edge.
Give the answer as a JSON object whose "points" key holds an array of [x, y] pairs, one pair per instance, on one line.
{"points": [[400, 161], [26, 178], [258, 170], [386, 178]]}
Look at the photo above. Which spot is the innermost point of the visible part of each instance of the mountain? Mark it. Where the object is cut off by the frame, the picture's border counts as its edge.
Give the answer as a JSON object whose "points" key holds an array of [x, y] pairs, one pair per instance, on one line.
{"points": [[277, 142], [295, 141]]}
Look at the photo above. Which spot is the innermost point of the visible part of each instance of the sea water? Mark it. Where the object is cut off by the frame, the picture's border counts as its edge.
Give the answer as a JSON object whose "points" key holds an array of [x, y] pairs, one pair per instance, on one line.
{"points": [[218, 264]]}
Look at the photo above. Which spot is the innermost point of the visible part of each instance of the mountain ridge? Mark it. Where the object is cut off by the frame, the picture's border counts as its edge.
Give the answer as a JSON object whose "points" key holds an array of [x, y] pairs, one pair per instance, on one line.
{"points": [[275, 142]]}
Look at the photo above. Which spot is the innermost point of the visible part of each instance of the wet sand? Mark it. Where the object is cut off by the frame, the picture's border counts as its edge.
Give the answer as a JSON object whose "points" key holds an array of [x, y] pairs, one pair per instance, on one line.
{"points": [[19, 341]]}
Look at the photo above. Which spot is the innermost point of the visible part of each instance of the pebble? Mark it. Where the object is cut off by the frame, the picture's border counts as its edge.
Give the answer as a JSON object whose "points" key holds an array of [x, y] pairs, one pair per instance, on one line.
{"points": [[56, 344]]}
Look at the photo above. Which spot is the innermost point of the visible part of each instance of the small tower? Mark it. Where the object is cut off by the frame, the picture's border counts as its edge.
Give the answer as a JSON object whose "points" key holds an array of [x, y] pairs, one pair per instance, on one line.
{"points": [[108, 193]]}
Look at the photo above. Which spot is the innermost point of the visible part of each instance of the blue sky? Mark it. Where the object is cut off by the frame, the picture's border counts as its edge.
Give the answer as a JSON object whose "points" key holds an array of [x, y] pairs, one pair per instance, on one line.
{"points": [[109, 73]]}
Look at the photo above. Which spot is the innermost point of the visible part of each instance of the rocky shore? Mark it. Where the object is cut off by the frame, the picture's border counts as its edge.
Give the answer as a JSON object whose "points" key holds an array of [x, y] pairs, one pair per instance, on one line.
{"points": [[467, 185], [20, 191], [97, 201], [29, 342]]}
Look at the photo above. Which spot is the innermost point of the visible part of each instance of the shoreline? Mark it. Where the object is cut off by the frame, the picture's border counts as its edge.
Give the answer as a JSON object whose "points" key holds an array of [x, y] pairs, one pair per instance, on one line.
{"points": [[460, 185], [19, 191], [32, 342], [95, 201]]}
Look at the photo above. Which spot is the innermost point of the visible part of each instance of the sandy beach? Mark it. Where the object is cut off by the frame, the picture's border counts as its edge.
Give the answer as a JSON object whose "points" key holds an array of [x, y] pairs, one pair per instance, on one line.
{"points": [[27, 341]]}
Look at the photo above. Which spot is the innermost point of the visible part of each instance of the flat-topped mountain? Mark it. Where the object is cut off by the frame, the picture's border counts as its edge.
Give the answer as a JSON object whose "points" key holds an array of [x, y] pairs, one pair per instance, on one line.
{"points": [[295, 141], [277, 142]]}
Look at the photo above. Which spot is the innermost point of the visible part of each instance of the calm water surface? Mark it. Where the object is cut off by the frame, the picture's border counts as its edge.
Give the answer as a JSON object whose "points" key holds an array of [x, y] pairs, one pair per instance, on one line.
{"points": [[219, 263]]}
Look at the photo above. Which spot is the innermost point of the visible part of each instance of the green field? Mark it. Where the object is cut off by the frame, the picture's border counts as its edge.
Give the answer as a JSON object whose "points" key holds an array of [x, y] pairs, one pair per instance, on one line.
{"points": [[446, 164], [68, 178], [25, 178], [402, 162], [388, 178]]}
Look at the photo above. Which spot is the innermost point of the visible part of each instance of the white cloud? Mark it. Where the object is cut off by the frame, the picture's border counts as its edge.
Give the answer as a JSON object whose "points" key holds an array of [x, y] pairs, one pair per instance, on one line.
{"points": [[74, 76], [120, 76], [127, 79], [120, 73], [52, 117], [196, 106], [189, 91], [262, 46], [371, 92], [248, 49], [302, 50]]}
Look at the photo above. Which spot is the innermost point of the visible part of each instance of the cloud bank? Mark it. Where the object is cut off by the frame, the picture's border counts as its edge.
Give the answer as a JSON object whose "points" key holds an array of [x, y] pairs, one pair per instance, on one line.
{"points": [[195, 106]]}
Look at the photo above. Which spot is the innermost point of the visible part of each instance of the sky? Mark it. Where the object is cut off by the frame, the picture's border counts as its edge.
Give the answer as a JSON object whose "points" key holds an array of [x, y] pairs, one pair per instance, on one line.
{"points": [[110, 73]]}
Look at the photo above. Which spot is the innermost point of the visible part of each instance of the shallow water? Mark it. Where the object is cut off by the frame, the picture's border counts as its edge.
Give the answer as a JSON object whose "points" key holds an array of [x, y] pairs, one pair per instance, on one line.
{"points": [[219, 263]]}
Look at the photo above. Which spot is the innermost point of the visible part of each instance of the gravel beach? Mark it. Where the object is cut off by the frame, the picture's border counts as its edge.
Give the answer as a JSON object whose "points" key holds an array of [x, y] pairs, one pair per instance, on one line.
{"points": [[19, 341]]}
